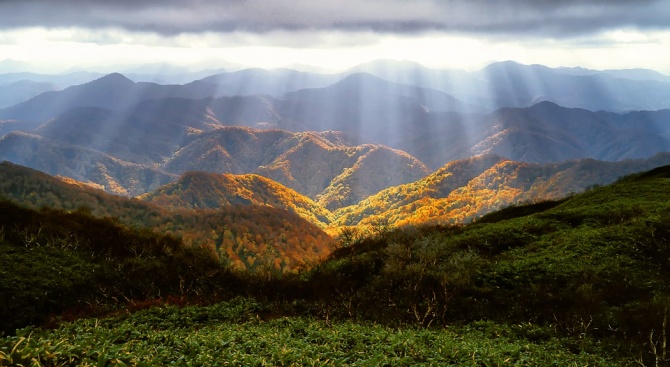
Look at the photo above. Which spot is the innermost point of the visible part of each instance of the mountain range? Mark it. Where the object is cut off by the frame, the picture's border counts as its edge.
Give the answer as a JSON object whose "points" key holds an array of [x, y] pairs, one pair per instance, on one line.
{"points": [[373, 194], [251, 221], [322, 166], [510, 84], [386, 141], [435, 115], [459, 192], [500, 84]]}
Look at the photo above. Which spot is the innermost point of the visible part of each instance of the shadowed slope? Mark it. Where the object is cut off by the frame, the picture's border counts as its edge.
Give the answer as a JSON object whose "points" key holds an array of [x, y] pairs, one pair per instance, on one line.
{"points": [[97, 168]]}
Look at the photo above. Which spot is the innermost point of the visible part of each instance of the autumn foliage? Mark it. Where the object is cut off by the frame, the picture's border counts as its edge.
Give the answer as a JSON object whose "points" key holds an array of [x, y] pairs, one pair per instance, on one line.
{"points": [[246, 236]]}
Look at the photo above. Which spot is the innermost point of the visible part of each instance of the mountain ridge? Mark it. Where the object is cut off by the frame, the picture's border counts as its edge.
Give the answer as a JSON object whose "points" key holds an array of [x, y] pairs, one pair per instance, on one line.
{"points": [[245, 236], [84, 149], [464, 190], [459, 192], [392, 133], [202, 190]]}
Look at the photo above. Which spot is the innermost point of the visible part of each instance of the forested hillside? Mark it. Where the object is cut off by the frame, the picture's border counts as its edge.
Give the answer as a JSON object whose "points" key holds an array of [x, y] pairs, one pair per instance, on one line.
{"points": [[201, 190], [246, 236], [464, 190]]}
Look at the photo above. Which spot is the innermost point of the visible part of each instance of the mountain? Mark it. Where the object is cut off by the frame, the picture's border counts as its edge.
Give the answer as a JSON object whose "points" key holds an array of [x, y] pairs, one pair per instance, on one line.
{"points": [[632, 74], [162, 73], [547, 132], [246, 236], [274, 82], [639, 74], [524, 279], [422, 123], [60, 80], [462, 191], [151, 131], [360, 104], [376, 168], [177, 135], [19, 91], [542, 133], [83, 164], [201, 190], [502, 84], [365, 106], [168, 137], [511, 84], [21, 86], [250, 219], [599, 256], [322, 166], [7, 126], [412, 73], [391, 133], [405, 199], [113, 91], [322, 178]]}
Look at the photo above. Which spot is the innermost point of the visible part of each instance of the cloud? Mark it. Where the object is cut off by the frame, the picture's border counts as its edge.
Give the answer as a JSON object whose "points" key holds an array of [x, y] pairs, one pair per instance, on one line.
{"points": [[541, 18]]}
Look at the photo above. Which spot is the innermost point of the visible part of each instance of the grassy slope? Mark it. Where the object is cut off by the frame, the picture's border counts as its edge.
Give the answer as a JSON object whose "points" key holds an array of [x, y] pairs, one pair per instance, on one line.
{"points": [[233, 334], [53, 262], [594, 264]]}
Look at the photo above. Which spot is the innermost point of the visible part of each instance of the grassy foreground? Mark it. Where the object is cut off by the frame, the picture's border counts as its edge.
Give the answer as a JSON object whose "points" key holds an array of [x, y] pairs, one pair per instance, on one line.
{"points": [[235, 334]]}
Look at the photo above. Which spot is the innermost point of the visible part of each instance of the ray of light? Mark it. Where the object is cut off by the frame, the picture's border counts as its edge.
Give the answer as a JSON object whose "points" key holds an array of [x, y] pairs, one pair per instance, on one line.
{"points": [[108, 48]]}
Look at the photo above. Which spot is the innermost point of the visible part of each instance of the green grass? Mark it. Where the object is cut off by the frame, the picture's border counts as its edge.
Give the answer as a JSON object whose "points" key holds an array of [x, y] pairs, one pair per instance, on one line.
{"points": [[233, 334]]}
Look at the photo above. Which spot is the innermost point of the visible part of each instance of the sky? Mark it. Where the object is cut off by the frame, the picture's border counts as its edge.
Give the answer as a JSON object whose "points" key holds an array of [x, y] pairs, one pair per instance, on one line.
{"points": [[329, 35]]}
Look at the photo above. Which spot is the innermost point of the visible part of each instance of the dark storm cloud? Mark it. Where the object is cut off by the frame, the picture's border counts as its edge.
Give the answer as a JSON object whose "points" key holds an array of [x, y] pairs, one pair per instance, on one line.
{"points": [[553, 18]]}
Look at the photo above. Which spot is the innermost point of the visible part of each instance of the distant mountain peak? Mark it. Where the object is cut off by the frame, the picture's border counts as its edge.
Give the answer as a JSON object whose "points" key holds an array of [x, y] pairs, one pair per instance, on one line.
{"points": [[362, 76], [116, 78], [509, 66], [504, 63], [546, 104]]}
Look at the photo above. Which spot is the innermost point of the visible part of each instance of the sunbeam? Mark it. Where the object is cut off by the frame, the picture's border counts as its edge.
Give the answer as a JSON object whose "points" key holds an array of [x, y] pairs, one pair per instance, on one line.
{"points": [[351, 182]]}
